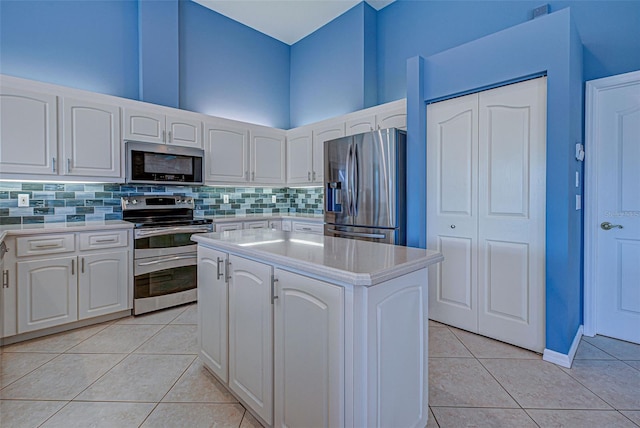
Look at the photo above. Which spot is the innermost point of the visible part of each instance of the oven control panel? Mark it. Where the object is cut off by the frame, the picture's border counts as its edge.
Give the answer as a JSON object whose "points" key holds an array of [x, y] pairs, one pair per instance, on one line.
{"points": [[157, 202]]}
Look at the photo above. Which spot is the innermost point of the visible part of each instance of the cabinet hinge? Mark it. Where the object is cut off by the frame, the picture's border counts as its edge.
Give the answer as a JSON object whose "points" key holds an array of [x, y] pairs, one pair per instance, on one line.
{"points": [[273, 289]]}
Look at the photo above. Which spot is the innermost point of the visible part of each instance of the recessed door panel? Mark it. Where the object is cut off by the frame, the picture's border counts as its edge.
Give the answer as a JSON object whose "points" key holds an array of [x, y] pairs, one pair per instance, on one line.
{"points": [[507, 291], [629, 153], [508, 160], [455, 138], [627, 285]]}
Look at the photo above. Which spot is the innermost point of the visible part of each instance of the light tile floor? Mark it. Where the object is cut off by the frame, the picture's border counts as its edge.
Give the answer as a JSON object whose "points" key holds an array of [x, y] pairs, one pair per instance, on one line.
{"points": [[144, 372], [478, 382]]}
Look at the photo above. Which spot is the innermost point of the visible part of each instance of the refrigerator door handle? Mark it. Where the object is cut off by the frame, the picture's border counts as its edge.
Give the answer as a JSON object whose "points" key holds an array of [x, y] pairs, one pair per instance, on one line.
{"points": [[357, 234], [347, 173], [356, 181]]}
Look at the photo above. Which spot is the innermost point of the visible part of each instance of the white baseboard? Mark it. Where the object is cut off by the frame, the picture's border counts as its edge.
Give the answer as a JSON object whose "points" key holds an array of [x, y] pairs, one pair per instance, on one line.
{"points": [[564, 360]]}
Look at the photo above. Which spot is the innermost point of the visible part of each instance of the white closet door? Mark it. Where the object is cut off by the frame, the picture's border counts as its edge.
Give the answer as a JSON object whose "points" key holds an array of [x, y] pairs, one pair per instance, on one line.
{"points": [[511, 205], [452, 217], [486, 183]]}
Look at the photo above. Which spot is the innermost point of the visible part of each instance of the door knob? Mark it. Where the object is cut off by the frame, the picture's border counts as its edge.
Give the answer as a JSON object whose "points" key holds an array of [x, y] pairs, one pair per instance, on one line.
{"points": [[608, 226]]}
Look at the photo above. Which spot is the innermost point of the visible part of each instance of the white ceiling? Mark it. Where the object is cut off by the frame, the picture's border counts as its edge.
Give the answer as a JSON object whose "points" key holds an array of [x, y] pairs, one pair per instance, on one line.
{"points": [[285, 20]]}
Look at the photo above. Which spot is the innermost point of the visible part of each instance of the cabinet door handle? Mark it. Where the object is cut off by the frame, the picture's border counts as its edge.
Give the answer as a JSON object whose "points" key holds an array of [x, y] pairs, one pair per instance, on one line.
{"points": [[218, 263], [82, 265], [253, 176], [5, 278], [73, 266], [164, 136], [314, 176], [68, 165], [170, 137], [273, 289], [308, 175], [53, 164]]}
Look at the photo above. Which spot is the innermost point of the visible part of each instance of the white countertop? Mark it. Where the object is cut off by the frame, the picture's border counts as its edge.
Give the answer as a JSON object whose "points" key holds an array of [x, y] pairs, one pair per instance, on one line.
{"points": [[335, 259], [76, 226], [266, 216]]}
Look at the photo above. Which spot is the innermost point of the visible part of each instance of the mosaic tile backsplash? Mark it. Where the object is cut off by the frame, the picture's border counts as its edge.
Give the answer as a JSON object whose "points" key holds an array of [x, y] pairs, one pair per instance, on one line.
{"points": [[59, 202]]}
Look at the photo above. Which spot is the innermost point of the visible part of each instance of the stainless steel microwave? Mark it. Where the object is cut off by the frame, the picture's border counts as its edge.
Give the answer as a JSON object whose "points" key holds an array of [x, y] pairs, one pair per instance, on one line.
{"points": [[151, 163]]}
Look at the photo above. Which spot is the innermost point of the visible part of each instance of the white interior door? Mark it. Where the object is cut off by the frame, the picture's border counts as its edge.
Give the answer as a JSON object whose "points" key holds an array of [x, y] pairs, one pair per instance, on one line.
{"points": [[615, 226], [511, 208], [452, 210]]}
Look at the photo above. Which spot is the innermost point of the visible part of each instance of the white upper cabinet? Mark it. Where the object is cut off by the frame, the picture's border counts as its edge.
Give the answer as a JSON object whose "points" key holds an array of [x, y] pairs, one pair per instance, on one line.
{"points": [[29, 132], [299, 156], [268, 151], [240, 153], [322, 133], [392, 117], [156, 127], [91, 139], [227, 152], [183, 130], [361, 124]]}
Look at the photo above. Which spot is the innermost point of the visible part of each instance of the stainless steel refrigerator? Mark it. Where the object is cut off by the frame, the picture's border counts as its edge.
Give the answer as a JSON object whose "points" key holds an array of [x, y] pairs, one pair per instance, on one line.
{"points": [[365, 186]]}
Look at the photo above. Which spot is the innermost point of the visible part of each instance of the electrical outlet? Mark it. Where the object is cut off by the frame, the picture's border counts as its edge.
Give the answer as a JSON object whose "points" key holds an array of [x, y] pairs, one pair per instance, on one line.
{"points": [[273, 199], [225, 199], [23, 200]]}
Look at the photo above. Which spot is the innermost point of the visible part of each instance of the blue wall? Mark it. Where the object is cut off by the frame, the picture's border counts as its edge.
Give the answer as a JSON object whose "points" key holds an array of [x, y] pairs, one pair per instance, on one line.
{"points": [[169, 52], [158, 52], [553, 47], [89, 45], [331, 69], [228, 69], [608, 30]]}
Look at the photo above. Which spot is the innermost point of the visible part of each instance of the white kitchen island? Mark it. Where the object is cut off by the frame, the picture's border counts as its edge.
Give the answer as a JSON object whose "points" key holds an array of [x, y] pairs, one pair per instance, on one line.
{"points": [[316, 331]]}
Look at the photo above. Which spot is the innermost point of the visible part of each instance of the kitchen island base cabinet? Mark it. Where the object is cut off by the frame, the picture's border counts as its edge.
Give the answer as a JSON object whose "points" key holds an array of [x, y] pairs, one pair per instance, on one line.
{"points": [[251, 334], [348, 345], [309, 350], [213, 315]]}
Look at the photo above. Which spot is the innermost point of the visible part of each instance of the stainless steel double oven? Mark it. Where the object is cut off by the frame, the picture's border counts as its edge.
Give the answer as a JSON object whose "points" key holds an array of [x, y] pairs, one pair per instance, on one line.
{"points": [[165, 268]]}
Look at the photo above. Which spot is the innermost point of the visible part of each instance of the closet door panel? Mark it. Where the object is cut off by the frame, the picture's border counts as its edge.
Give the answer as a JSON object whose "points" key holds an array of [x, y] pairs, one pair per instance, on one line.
{"points": [[511, 207], [452, 186]]}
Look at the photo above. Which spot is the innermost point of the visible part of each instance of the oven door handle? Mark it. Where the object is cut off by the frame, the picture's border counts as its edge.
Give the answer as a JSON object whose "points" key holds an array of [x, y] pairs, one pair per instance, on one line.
{"points": [[140, 233], [166, 259]]}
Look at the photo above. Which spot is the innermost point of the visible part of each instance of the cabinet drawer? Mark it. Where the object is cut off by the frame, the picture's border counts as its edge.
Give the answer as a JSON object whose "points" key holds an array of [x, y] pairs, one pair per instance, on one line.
{"points": [[103, 239], [260, 224], [317, 228], [223, 227], [45, 244]]}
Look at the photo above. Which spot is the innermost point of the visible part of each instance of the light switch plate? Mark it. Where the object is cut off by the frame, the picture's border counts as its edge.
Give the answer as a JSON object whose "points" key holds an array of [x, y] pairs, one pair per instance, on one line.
{"points": [[23, 199], [225, 199], [273, 199]]}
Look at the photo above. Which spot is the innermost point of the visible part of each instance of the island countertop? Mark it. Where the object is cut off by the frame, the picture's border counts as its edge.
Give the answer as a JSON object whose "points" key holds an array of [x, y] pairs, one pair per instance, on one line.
{"points": [[337, 259]]}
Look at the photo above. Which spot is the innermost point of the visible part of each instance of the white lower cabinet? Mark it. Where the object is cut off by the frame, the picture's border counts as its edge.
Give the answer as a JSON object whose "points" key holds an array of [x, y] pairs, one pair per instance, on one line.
{"points": [[309, 352], [47, 293], [251, 335], [56, 279], [103, 284], [213, 310]]}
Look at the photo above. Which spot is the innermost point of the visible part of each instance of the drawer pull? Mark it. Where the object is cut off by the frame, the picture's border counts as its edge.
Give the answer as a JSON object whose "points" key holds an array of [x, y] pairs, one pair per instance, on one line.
{"points": [[48, 245], [306, 228], [106, 240], [5, 278]]}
